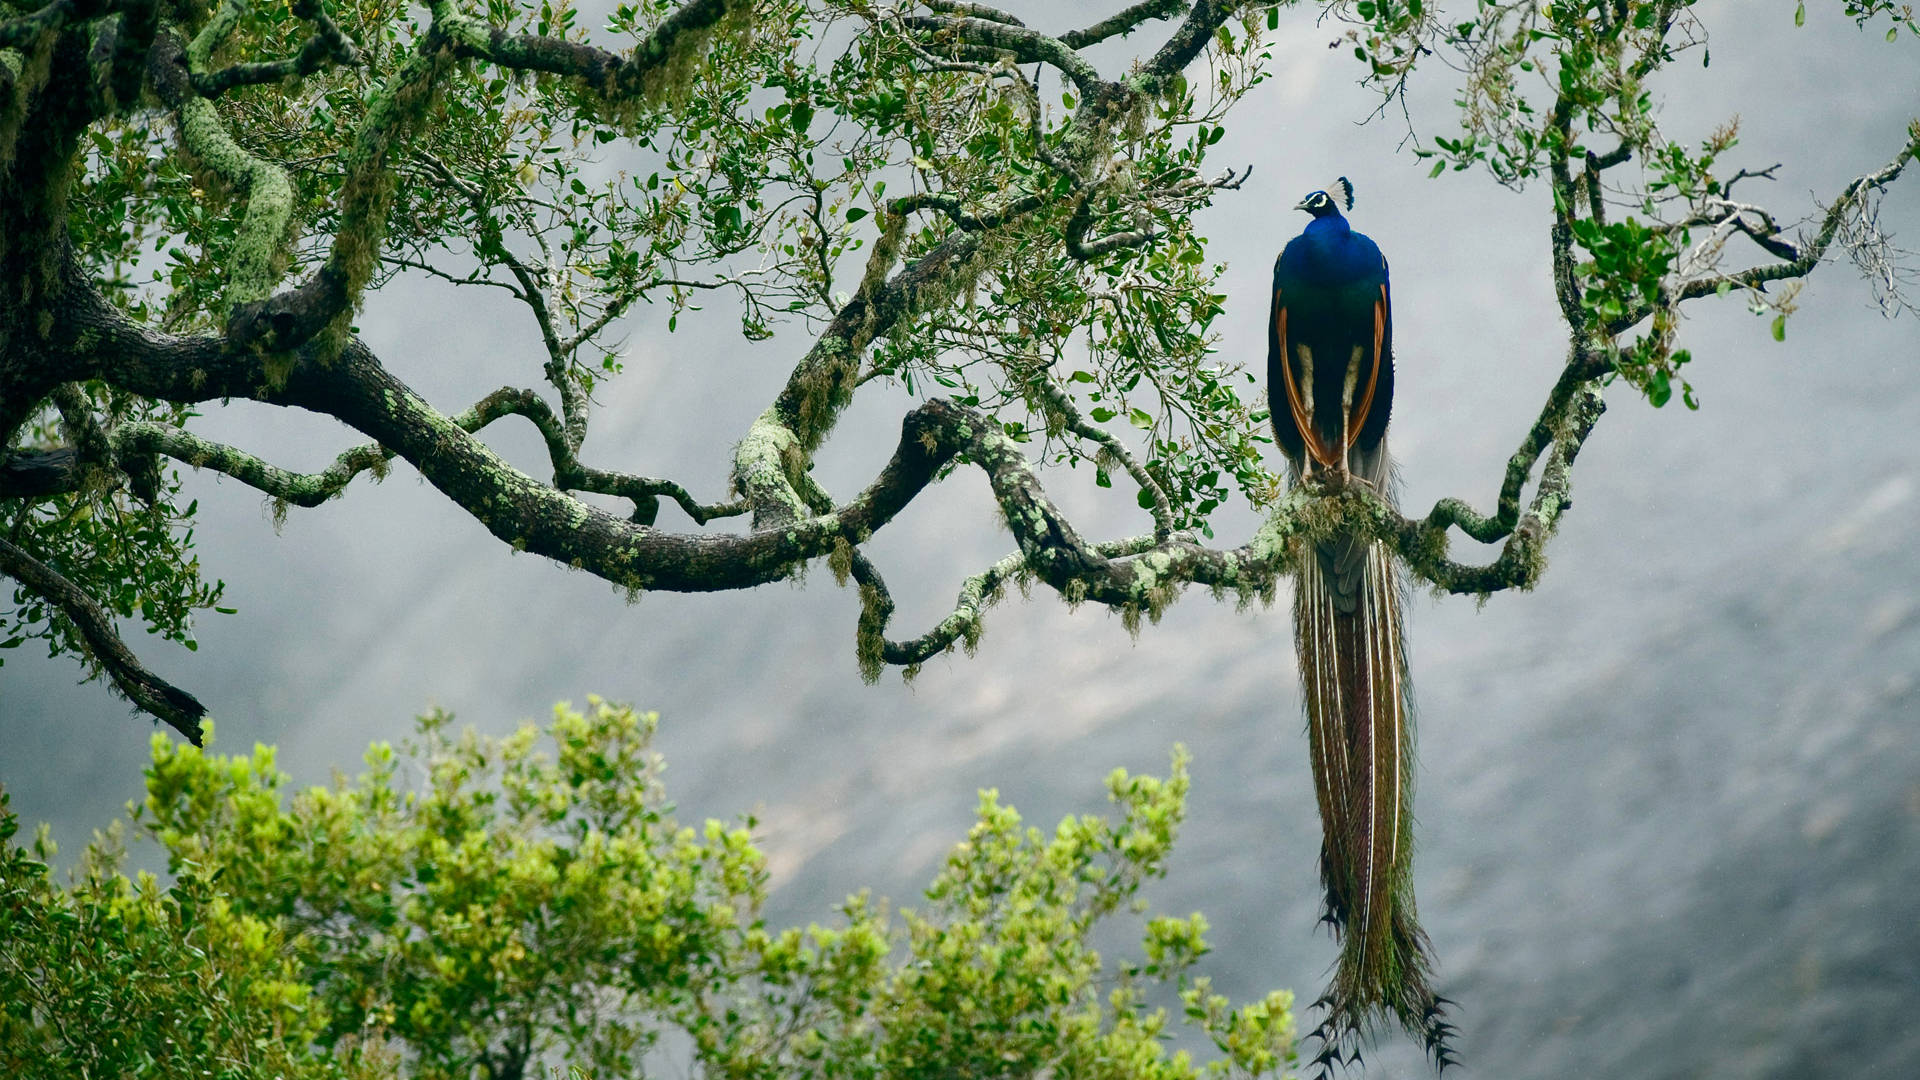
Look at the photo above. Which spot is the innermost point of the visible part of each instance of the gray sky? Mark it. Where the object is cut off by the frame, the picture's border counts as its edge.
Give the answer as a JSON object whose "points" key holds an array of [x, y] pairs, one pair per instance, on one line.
{"points": [[1668, 801]]}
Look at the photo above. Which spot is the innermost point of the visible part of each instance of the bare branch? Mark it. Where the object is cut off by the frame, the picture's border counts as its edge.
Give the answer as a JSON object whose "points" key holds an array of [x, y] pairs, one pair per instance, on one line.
{"points": [[1811, 250]]}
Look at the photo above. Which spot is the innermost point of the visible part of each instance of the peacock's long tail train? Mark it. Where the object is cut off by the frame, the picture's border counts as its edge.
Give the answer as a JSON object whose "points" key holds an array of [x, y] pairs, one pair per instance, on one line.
{"points": [[1353, 671]]}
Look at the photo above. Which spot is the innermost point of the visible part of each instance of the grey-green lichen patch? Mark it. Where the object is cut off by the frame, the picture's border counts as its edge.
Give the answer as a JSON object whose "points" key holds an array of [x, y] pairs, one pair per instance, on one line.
{"points": [[1269, 543], [668, 67], [840, 562], [869, 639], [764, 464]]}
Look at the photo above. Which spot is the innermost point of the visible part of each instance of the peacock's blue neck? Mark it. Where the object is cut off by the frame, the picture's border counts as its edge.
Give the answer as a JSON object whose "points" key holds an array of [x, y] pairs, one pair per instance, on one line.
{"points": [[1328, 227], [1328, 253]]}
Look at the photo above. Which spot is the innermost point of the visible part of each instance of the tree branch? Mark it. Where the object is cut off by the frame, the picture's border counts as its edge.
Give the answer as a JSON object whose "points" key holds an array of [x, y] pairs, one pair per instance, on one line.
{"points": [[142, 438], [1121, 24], [1023, 45], [1810, 251], [1061, 403], [326, 47], [150, 692], [24, 29], [641, 73], [1187, 43], [34, 473], [259, 249]]}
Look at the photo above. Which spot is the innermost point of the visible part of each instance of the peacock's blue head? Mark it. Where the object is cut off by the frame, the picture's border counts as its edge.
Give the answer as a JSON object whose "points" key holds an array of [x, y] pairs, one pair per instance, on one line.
{"points": [[1321, 204]]}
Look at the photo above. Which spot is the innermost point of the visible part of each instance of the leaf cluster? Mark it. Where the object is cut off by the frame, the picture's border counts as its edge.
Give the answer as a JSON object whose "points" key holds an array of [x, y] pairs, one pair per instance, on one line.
{"points": [[133, 543], [476, 906]]}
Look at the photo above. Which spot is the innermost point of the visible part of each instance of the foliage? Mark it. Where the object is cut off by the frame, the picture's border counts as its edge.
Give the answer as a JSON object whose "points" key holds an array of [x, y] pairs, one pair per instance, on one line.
{"points": [[112, 977], [1567, 90], [519, 907]]}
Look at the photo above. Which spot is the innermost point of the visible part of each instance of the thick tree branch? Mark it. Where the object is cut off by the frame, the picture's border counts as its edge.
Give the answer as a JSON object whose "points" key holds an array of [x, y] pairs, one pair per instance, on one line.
{"points": [[290, 319], [975, 11], [1023, 45], [35, 473], [150, 692], [132, 36], [642, 73], [1121, 24], [23, 29], [1186, 44], [147, 439]]}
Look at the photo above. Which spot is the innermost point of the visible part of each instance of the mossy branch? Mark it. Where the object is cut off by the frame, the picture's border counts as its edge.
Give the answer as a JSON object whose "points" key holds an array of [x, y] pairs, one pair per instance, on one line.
{"points": [[145, 439], [153, 694], [259, 255], [321, 306], [1121, 23], [654, 65], [23, 30], [1021, 44]]}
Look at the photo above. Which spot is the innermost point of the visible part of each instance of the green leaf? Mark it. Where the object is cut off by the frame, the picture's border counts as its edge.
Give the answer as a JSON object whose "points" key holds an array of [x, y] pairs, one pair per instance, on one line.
{"points": [[1101, 414], [1779, 328], [1800, 14], [855, 214]]}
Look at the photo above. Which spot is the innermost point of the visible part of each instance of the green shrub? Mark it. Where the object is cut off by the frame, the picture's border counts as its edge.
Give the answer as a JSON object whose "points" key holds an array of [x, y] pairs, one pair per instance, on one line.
{"points": [[514, 909]]}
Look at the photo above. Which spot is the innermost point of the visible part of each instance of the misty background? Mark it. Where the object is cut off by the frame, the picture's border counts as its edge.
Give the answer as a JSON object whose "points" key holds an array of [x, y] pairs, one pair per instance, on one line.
{"points": [[1669, 801]]}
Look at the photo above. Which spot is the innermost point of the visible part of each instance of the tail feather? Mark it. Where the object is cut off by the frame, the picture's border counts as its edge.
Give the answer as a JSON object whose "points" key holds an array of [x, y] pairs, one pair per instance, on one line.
{"points": [[1350, 636]]}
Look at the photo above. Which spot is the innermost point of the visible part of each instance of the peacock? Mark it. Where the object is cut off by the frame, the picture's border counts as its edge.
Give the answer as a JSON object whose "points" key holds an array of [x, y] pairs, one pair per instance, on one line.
{"points": [[1330, 385]]}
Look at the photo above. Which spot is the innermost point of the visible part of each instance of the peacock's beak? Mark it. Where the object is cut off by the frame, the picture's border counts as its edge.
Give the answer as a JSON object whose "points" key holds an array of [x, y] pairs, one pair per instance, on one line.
{"points": [[1302, 205]]}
